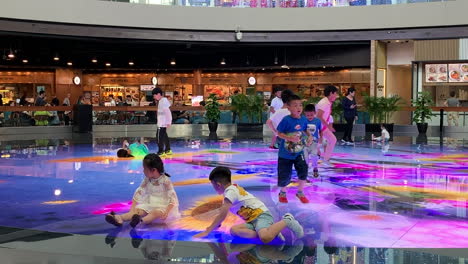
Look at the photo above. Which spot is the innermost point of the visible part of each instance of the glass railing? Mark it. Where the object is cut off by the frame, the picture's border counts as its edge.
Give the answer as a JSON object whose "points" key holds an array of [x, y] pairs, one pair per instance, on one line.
{"points": [[275, 3]]}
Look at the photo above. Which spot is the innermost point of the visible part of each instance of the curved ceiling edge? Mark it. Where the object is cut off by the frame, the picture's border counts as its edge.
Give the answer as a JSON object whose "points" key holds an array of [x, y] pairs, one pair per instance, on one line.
{"points": [[73, 30], [107, 13]]}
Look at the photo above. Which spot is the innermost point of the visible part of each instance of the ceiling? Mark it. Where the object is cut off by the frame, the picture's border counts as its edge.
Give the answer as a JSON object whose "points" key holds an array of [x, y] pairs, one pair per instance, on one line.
{"points": [[39, 51]]}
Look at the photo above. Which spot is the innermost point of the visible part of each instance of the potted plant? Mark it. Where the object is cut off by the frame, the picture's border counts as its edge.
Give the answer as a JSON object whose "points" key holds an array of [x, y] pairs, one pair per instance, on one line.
{"points": [[381, 110], [422, 111], [213, 114], [249, 109]]}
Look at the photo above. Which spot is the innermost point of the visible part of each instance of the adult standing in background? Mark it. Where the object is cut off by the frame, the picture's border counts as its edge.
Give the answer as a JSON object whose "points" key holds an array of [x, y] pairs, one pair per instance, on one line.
{"points": [[324, 111], [452, 117], [350, 115], [276, 103]]}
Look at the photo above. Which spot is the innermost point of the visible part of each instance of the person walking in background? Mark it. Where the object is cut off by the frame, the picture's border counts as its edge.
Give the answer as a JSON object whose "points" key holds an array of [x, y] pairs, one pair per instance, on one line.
{"points": [[276, 118], [452, 117], [276, 103], [350, 115], [164, 117], [324, 110]]}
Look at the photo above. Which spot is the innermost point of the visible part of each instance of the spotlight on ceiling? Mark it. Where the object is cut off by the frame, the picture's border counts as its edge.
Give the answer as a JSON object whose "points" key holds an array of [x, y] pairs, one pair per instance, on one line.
{"points": [[131, 63], [56, 58], [94, 60], [25, 61], [173, 61], [69, 63], [11, 55], [108, 64], [223, 61]]}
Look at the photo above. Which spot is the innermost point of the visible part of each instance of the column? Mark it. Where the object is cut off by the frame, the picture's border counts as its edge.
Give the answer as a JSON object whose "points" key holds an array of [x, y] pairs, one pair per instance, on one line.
{"points": [[197, 84]]}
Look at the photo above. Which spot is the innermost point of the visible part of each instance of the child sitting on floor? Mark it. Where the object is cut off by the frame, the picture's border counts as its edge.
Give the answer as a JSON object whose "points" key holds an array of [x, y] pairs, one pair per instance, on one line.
{"points": [[385, 137], [259, 221], [155, 199]]}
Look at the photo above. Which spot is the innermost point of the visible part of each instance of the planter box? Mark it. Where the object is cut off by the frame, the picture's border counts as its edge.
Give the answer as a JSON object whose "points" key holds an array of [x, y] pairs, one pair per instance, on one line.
{"points": [[247, 127], [375, 128], [339, 127]]}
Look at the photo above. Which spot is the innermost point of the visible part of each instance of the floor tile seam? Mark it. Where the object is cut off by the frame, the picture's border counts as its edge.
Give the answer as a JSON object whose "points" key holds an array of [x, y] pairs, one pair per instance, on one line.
{"points": [[405, 233]]}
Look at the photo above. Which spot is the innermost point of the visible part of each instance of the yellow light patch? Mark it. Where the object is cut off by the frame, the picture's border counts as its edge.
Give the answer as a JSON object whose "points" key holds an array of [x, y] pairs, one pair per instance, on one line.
{"points": [[60, 202]]}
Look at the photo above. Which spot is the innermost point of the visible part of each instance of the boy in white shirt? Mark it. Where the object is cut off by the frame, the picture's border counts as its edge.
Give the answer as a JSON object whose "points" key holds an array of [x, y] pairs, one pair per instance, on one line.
{"points": [[259, 221], [164, 121], [276, 118], [276, 103]]}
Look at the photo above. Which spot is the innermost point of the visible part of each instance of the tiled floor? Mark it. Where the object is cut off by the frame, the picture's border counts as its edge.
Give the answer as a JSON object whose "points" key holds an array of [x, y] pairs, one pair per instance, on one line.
{"points": [[401, 195]]}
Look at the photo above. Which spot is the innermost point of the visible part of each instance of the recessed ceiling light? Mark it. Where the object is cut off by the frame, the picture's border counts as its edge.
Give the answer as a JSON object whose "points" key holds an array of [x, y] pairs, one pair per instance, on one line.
{"points": [[25, 61], [223, 61], [56, 58], [69, 63], [131, 63], [173, 62], [108, 64], [94, 60]]}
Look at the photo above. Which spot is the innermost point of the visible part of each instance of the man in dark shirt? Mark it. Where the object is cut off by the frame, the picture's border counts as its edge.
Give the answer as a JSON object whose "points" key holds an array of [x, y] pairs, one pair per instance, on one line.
{"points": [[40, 99]]}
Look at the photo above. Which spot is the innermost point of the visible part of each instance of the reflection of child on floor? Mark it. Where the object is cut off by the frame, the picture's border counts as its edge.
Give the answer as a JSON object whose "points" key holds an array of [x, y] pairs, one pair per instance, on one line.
{"points": [[159, 250], [385, 137], [155, 199], [259, 221], [251, 254], [314, 126], [137, 149]]}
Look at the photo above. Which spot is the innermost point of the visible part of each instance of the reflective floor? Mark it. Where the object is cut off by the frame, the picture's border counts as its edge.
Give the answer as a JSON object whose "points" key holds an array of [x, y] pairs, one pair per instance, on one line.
{"points": [[375, 205]]}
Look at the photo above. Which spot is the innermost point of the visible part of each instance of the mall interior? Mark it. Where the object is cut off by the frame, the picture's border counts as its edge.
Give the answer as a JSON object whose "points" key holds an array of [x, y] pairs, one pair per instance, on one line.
{"points": [[83, 81]]}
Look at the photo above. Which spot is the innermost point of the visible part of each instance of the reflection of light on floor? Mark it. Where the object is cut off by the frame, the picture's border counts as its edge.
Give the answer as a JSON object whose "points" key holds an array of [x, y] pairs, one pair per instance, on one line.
{"points": [[60, 202], [429, 192], [207, 181], [116, 207], [201, 215], [370, 217]]}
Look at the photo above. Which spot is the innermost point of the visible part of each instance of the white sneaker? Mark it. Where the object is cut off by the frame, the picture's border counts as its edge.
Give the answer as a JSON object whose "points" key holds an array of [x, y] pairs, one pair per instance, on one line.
{"points": [[326, 163], [294, 225], [343, 141]]}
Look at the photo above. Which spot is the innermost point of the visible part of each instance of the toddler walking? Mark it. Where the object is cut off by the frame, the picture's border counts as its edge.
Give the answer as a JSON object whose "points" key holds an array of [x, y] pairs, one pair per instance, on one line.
{"points": [[154, 200], [314, 126]]}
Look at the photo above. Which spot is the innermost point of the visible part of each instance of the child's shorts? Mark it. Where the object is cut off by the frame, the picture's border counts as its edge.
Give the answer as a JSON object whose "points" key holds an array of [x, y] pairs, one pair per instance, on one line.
{"points": [[311, 150], [264, 220], [285, 170]]}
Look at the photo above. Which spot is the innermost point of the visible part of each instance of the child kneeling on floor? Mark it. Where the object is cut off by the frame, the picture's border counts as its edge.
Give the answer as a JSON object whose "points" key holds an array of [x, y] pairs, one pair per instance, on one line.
{"points": [[259, 221], [155, 199]]}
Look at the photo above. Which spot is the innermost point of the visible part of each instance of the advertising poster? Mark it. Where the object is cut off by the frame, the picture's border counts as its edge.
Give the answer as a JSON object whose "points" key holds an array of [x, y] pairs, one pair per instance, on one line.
{"points": [[458, 72], [436, 72]]}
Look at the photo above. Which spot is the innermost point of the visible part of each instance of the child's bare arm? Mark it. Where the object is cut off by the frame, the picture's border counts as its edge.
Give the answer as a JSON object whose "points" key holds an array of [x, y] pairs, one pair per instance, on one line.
{"points": [[224, 210], [288, 138]]}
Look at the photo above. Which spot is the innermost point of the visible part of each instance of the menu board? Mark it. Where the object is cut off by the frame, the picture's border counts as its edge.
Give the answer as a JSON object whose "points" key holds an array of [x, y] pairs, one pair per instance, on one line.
{"points": [[436, 72], [458, 72]]}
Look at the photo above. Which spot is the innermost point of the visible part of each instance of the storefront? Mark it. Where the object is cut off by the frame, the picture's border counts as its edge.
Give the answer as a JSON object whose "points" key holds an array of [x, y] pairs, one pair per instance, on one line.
{"points": [[135, 89], [305, 83], [15, 84], [442, 78]]}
